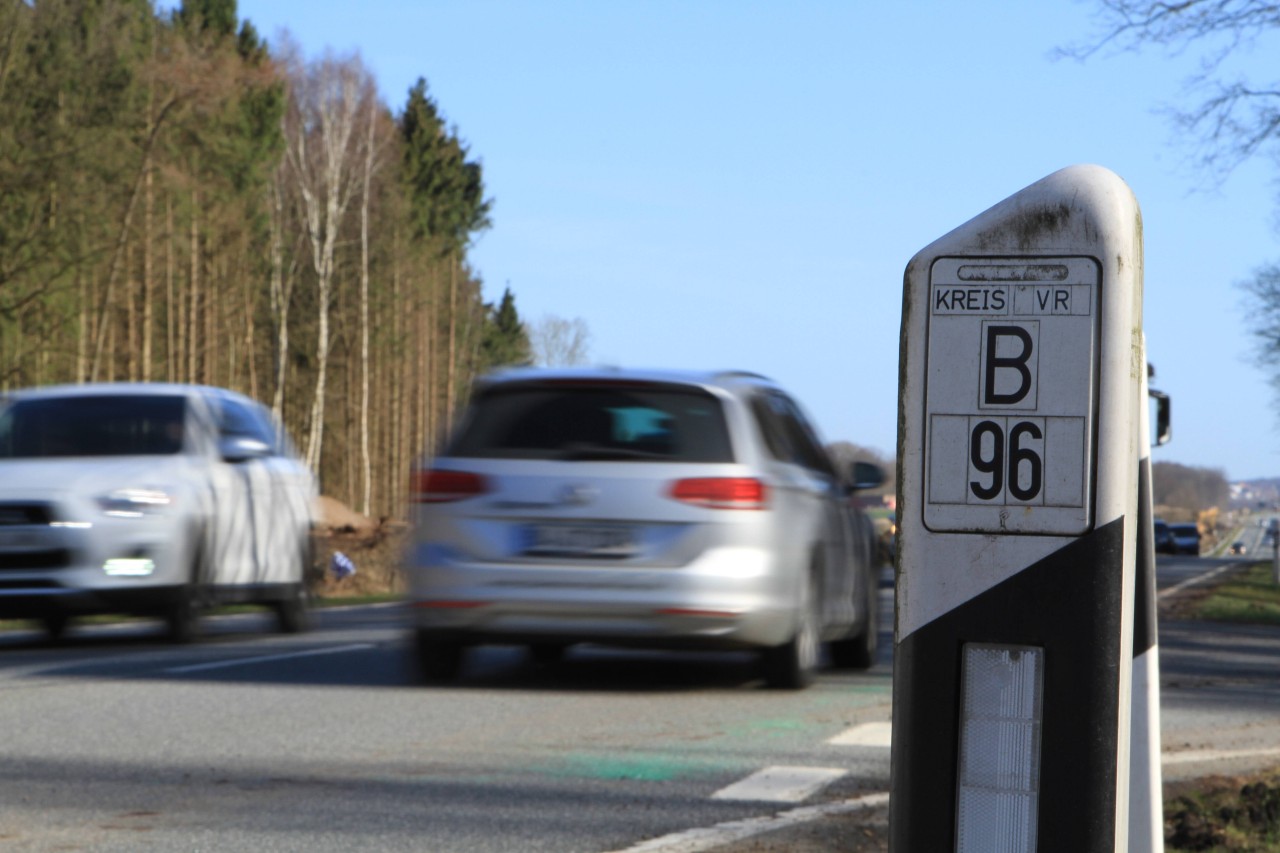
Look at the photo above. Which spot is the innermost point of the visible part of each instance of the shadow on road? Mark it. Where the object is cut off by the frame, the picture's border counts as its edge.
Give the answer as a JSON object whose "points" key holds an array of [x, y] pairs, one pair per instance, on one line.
{"points": [[369, 648]]}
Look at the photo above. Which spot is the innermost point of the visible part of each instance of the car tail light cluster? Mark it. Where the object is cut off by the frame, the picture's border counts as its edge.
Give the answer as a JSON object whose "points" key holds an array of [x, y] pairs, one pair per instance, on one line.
{"points": [[436, 485], [722, 492]]}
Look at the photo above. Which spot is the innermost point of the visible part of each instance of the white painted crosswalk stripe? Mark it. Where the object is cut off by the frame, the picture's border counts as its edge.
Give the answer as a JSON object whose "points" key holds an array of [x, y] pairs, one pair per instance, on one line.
{"points": [[865, 734], [781, 784]]}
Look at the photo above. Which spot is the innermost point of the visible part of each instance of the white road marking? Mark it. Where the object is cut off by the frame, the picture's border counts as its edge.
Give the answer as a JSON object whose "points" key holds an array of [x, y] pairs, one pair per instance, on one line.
{"points": [[1197, 755], [1195, 580], [865, 734], [780, 784], [710, 837], [220, 664]]}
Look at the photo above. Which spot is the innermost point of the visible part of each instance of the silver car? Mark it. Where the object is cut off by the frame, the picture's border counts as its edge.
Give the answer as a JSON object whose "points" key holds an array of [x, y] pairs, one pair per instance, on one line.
{"points": [[650, 509], [149, 499]]}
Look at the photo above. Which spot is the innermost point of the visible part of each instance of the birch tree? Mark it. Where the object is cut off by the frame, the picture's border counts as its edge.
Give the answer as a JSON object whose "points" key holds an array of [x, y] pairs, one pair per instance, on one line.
{"points": [[322, 151], [372, 161], [558, 342]]}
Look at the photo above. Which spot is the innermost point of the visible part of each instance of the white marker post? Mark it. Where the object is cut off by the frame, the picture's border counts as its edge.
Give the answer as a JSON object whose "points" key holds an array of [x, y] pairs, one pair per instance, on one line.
{"points": [[1021, 368], [1146, 802]]}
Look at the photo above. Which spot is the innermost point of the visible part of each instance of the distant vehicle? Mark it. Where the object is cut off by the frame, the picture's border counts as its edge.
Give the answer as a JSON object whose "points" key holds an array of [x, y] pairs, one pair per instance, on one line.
{"points": [[150, 499], [1186, 538], [1237, 547], [1165, 543], [649, 509]]}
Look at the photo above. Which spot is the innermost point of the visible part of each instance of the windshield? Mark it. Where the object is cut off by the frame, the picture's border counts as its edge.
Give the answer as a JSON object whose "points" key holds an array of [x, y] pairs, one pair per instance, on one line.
{"points": [[626, 422], [123, 425]]}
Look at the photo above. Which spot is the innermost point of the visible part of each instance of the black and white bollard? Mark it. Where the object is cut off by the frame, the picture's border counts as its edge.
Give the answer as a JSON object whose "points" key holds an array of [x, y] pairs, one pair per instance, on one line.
{"points": [[1020, 374], [1146, 805]]}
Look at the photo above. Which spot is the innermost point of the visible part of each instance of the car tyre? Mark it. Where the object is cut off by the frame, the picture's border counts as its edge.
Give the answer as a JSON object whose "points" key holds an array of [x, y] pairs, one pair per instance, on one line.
{"points": [[439, 659], [182, 618], [791, 666], [293, 612], [547, 653], [859, 651], [55, 625]]}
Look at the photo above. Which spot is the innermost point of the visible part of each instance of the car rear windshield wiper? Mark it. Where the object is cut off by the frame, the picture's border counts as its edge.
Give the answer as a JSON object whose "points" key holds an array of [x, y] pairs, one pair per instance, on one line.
{"points": [[584, 452]]}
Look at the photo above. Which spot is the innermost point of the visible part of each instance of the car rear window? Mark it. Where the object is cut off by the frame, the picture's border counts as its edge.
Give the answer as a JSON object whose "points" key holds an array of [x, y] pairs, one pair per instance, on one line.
{"points": [[626, 422], [123, 425]]}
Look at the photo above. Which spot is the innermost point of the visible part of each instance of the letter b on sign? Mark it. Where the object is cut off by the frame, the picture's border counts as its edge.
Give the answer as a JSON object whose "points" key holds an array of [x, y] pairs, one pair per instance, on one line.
{"points": [[1010, 364]]}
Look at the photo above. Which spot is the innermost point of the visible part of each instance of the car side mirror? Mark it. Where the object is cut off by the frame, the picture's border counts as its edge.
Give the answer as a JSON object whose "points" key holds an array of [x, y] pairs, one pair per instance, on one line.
{"points": [[864, 475], [1164, 424], [242, 448]]}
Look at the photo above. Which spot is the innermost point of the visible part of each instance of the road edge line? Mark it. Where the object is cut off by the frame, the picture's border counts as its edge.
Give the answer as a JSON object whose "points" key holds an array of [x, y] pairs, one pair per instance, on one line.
{"points": [[707, 838]]}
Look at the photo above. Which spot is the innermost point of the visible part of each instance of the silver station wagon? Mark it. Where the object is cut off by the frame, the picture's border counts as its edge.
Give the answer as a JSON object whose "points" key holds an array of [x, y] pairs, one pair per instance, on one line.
{"points": [[641, 508]]}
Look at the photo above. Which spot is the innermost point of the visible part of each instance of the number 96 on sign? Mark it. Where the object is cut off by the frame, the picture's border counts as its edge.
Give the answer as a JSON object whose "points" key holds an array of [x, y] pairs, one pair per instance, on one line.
{"points": [[1015, 460]]}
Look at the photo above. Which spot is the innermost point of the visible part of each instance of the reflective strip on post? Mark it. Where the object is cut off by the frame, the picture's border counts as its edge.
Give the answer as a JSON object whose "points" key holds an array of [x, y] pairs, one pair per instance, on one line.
{"points": [[1000, 719]]}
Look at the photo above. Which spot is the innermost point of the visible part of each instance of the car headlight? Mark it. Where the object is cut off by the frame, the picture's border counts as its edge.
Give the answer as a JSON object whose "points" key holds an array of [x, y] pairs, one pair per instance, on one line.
{"points": [[135, 503]]}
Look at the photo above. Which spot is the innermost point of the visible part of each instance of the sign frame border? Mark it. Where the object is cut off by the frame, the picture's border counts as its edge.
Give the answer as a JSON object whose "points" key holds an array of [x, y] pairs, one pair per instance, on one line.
{"points": [[1091, 466]]}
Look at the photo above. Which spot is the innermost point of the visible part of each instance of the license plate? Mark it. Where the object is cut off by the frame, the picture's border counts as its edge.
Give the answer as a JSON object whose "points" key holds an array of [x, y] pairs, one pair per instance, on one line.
{"points": [[600, 541]]}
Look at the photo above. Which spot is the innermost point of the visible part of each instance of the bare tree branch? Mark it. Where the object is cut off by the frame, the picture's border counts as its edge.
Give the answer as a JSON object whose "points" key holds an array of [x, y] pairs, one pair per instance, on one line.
{"points": [[1232, 120]]}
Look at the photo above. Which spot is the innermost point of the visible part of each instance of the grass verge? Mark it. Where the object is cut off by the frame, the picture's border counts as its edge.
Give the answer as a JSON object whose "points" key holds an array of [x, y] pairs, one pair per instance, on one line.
{"points": [[1217, 815], [1248, 596], [1236, 815]]}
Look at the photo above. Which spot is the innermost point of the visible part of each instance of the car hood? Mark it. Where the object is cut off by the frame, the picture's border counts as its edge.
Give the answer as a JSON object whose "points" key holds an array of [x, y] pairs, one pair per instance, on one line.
{"points": [[88, 477]]}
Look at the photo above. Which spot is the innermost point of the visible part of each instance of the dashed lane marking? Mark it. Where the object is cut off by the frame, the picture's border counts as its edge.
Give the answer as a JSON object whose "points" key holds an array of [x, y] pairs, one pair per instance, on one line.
{"points": [[781, 784], [865, 734]]}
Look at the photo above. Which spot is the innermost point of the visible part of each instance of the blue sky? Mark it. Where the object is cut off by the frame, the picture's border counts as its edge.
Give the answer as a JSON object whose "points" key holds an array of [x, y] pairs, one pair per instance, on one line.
{"points": [[721, 184]]}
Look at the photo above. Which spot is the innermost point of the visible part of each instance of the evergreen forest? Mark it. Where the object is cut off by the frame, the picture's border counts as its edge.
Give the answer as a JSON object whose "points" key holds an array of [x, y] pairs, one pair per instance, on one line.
{"points": [[182, 202]]}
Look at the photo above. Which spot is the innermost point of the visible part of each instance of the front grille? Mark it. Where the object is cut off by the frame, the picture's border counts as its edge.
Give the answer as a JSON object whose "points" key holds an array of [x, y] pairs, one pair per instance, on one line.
{"points": [[16, 514], [50, 558]]}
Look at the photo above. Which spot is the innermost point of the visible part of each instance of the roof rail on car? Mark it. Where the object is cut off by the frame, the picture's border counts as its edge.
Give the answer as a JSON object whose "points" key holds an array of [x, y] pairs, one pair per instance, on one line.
{"points": [[740, 374]]}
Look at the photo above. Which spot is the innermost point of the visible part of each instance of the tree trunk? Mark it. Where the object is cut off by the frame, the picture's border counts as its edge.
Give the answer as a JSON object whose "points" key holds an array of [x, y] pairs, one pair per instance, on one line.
{"points": [[281, 292], [366, 463], [193, 318], [453, 344]]}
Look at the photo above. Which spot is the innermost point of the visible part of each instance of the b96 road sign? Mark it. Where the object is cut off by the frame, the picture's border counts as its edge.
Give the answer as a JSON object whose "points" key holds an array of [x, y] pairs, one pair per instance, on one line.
{"points": [[1010, 426]]}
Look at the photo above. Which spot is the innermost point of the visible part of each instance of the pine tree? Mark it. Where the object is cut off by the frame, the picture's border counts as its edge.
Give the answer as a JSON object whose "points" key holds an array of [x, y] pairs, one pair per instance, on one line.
{"points": [[505, 341]]}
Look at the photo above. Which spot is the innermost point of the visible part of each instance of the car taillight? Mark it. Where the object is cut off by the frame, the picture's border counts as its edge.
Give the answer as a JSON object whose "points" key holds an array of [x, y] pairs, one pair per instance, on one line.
{"points": [[439, 486], [722, 492]]}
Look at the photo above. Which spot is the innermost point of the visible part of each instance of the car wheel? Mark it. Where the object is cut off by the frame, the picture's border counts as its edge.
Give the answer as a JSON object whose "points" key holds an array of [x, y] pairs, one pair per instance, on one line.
{"points": [[55, 625], [791, 665], [439, 659], [293, 613], [547, 653], [182, 617], [859, 651]]}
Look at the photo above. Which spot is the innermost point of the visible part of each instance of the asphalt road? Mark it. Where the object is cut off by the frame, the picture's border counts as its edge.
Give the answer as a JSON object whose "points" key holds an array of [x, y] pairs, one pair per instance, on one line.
{"points": [[323, 741]]}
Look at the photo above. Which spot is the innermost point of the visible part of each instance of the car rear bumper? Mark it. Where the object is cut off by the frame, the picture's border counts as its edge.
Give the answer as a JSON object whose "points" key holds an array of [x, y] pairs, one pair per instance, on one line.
{"points": [[727, 598]]}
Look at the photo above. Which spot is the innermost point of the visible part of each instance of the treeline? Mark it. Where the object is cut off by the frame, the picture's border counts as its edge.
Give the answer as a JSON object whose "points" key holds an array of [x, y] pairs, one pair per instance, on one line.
{"points": [[181, 202], [1189, 488]]}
